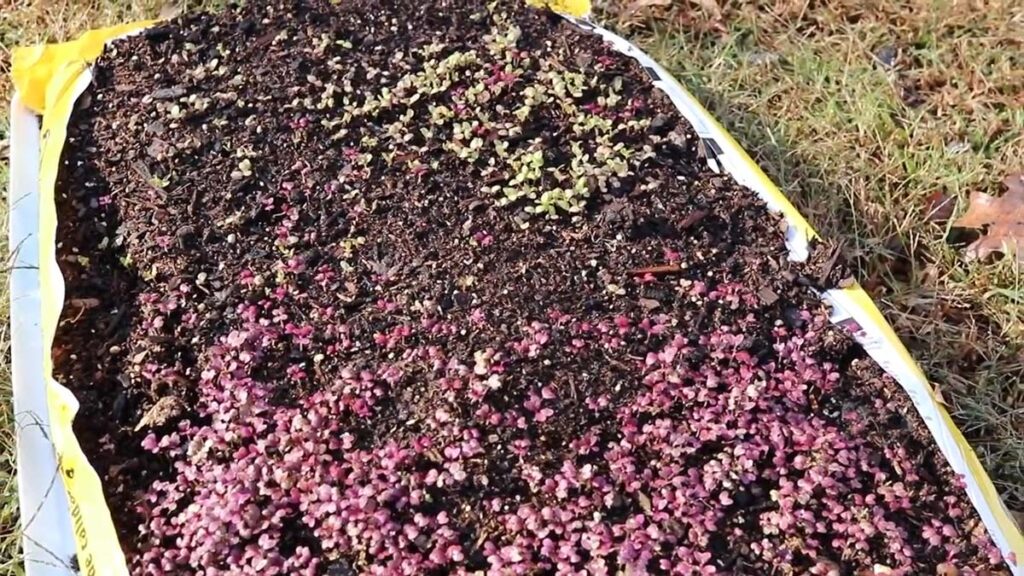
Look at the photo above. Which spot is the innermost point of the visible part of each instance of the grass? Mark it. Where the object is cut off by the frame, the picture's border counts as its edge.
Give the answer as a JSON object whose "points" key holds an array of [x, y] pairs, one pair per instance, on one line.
{"points": [[857, 144]]}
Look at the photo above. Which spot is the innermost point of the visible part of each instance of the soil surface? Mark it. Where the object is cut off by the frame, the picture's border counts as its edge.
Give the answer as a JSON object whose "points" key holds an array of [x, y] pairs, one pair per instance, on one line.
{"points": [[431, 287]]}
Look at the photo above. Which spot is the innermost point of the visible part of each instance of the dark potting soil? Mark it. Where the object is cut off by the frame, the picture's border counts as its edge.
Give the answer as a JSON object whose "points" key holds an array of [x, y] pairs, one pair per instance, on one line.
{"points": [[431, 287]]}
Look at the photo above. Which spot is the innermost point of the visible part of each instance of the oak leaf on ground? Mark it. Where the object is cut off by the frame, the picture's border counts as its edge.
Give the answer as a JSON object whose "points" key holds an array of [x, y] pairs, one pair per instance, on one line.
{"points": [[1001, 219], [939, 207]]}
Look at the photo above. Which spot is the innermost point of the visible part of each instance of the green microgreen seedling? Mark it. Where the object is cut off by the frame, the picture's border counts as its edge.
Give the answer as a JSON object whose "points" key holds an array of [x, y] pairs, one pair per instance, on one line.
{"points": [[158, 182]]}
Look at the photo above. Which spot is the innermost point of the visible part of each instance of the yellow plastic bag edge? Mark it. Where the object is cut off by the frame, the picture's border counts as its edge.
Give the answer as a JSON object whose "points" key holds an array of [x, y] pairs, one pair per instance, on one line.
{"points": [[48, 80], [575, 8]]}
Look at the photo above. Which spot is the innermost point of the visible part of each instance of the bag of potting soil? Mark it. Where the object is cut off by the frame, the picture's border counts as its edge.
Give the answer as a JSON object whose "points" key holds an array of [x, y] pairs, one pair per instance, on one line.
{"points": [[401, 288]]}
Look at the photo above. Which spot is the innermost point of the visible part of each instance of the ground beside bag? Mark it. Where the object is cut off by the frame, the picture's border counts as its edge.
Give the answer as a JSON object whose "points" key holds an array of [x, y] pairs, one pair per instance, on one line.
{"points": [[67, 525]]}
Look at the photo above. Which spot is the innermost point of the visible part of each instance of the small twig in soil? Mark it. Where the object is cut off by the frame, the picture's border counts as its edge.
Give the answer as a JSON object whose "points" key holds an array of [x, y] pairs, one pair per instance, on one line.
{"points": [[83, 304], [833, 259], [657, 269], [193, 202], [693, 218], [617, 364]]}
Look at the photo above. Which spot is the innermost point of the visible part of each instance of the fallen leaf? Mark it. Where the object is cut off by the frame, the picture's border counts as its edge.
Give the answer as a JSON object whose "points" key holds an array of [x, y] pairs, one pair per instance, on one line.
{"points": [[171, 9], [649, 303], [166, 409], [638, 5], [645, 502], [636, 11], [712, 8], [939, 207], [768, 296], [1001, 219], [947, 569]]}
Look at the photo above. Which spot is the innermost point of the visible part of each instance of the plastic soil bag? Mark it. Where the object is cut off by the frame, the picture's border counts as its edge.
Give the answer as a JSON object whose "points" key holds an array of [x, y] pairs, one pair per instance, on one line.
{"points": [[67, 522]]}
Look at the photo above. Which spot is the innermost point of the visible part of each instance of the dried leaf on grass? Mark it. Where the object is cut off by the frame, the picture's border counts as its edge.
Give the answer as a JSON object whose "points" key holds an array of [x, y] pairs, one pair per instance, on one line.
{"points": [[693, 14], [712, 8], [171, 9], [1001, 219], [703, 15], [636, 11], [638, 5], [939, 207]]}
